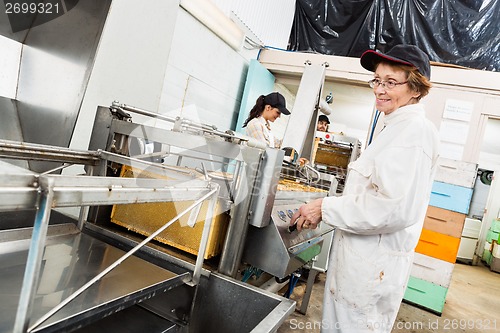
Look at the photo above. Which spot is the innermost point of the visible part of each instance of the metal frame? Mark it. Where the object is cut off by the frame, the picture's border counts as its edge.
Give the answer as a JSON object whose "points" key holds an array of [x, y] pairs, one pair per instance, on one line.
{"points": [[207, 140], [24, 189]]}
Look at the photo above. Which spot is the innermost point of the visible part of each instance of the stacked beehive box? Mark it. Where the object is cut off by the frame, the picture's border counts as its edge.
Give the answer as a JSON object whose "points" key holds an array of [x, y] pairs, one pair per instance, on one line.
{"points": [[491, 254], [437, 248]]}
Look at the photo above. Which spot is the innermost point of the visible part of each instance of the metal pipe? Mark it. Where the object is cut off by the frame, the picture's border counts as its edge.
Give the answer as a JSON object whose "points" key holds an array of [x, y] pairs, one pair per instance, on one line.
{"points": [[193, 125], [84, 210], [204, 238], [119, 261], [130, 108], [308, 291], [185, 122], [48, 172], [316, 173], [236, 232], [140, 163], [34, 260], [23, 150]]}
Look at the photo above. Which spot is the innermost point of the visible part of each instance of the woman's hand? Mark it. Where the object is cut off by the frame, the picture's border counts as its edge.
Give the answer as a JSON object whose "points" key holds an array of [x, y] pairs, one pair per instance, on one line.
{"points": [[308, 216]]}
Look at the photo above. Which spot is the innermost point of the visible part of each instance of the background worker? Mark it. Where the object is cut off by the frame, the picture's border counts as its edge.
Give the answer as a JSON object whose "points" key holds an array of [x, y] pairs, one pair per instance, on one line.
{"points": [[380, 215], [266, 110], [323, 123]]}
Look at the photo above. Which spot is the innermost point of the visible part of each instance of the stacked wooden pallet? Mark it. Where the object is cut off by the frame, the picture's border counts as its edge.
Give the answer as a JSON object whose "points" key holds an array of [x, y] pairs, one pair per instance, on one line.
{"points": [[439, 242]]}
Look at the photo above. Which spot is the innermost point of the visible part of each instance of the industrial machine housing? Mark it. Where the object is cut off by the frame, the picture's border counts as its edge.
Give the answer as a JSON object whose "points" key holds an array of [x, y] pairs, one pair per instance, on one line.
{"points": [[216, 186]]}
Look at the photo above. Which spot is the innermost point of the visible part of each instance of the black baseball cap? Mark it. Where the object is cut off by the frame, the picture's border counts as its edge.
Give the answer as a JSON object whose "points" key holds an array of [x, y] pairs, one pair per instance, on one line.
{"points": [[324, 118], [276, 100], [401, 54]]}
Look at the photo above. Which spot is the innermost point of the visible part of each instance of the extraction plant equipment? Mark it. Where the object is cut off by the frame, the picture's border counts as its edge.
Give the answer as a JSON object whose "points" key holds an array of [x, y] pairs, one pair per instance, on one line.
{"points": [[163, 224]]}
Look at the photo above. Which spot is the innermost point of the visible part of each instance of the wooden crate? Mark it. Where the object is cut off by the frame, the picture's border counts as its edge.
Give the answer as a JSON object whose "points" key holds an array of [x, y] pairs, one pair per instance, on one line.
{"points": [[444, 221]]}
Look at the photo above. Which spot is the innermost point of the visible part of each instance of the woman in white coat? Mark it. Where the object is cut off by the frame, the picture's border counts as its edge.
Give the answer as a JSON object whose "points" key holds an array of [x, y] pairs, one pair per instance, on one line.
{"points": [[380, 215], [266, 110]]}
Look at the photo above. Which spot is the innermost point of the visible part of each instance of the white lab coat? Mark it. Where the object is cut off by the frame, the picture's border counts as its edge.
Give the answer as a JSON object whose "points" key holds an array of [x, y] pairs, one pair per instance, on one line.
{"points": [[378, 222]]}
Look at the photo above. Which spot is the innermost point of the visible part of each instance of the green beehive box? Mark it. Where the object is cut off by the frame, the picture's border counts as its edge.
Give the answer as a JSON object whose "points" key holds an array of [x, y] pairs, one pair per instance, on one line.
{"points": [[495, 226], [491, 236], [487, 257], [426, 295]]}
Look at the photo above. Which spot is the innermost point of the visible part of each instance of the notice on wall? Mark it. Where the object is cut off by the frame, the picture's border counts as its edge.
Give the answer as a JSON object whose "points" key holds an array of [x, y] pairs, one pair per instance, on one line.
{"points": [[458, 110]]}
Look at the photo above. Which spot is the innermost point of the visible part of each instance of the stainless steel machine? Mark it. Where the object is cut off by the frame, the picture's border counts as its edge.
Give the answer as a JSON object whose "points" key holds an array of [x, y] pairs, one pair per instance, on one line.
{"points": [[279, 251], [60, 274], [332, 153], [90, 274]]}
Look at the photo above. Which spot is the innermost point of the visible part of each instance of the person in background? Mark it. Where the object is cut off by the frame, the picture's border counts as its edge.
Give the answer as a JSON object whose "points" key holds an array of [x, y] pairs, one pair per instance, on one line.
{"points": [[323, 123], [380, 215], [266, 110]]}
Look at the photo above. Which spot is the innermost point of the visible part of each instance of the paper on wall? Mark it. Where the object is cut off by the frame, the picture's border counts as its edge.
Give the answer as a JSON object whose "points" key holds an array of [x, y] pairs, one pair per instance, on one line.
{"points": [[458, 110]]}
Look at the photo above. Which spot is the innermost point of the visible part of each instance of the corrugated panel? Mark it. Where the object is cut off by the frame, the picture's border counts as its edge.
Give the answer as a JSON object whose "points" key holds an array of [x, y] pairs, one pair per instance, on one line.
{"points": [[260, 17]]}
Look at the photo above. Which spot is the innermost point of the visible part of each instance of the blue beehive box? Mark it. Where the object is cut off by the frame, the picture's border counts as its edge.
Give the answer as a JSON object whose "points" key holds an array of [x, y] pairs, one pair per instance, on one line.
{"points": [[452, 197]]}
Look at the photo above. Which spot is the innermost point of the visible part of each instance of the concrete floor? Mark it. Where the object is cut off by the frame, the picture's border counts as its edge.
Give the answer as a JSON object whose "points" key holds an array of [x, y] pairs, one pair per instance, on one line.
{"points": [[472, 303]]}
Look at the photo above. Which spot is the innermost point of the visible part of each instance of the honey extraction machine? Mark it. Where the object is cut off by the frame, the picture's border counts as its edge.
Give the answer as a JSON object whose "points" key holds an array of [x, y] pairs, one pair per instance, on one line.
{"points": [[165, 217]]}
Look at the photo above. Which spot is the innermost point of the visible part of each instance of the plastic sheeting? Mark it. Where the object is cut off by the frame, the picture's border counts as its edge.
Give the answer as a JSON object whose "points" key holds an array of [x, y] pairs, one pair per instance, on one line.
{"points": [[458, 32]]}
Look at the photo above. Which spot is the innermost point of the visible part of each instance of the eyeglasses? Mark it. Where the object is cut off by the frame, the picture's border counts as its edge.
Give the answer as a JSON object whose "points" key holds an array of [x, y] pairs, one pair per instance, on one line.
{"points": [[388, 85]]}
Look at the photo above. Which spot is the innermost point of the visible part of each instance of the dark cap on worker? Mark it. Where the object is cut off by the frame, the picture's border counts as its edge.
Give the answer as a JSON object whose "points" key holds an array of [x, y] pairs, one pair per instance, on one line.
{"points": [[324, 118], [401, 54], [276, 100]]}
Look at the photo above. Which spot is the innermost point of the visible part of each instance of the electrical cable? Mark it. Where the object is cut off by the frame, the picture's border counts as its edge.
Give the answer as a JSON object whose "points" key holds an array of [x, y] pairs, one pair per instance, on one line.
{"points": [[377, 115], [271, 48], [294, 278]]}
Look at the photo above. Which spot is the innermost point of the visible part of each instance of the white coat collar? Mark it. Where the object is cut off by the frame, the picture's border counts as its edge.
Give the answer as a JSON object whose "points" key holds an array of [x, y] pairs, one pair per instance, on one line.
{"points": [[403, 113]]}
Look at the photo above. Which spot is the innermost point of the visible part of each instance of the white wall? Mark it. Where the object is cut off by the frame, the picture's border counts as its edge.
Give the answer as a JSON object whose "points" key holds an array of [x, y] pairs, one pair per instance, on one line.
{"points": [[156, 56], [130, 62], [489, 155], [10, 60], [205, 76]]}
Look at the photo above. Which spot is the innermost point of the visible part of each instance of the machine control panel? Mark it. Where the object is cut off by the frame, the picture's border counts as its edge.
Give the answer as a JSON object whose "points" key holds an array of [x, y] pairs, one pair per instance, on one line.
{"points": [[295, 241]]}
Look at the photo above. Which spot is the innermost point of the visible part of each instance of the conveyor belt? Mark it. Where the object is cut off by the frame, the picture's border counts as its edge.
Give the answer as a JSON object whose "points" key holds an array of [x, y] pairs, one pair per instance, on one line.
{"points": [[70, 260]]}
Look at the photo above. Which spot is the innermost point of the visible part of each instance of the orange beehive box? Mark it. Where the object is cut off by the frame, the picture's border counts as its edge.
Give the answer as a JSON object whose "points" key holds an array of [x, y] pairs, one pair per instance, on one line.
{"points": [[438, 245]]}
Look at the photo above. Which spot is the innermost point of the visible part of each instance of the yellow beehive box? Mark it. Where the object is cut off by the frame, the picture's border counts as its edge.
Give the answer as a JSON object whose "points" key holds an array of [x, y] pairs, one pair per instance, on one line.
{"points": [[146, 218]]}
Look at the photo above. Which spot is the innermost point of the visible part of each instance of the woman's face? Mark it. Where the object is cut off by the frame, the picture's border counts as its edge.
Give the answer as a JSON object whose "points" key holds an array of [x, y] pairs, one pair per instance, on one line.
{"points": [[388, 100], [271, 113]]}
